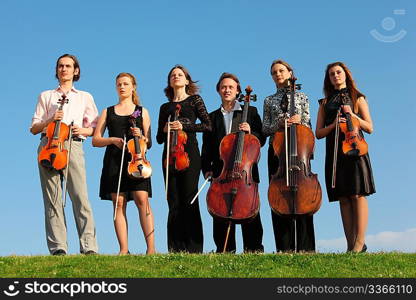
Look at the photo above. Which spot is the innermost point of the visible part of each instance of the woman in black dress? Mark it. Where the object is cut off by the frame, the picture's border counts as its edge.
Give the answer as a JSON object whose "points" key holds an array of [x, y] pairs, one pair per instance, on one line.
{"points": [[184, 228], [117, 119], [354, 178], [275, 110]]}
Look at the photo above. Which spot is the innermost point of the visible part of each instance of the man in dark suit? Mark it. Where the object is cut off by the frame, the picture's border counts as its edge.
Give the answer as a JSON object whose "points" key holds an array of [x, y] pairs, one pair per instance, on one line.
{"points": [[225, 120]]}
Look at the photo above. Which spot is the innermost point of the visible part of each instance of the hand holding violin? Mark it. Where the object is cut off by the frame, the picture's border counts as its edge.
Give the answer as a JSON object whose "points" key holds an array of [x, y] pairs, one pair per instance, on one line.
{"points": [[347, 110], [354, 143], [339, 119], [175, 125], [135, 131], [58, 116]]}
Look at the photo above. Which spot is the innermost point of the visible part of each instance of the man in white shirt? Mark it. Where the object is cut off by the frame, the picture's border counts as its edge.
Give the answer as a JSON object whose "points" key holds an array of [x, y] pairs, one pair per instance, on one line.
{"points": [[80, 110]]}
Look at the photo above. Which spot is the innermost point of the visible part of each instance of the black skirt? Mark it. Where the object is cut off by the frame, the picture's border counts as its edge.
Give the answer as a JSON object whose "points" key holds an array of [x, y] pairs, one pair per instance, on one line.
{"points": [[111, 172], [118, 126], [354, 175]]}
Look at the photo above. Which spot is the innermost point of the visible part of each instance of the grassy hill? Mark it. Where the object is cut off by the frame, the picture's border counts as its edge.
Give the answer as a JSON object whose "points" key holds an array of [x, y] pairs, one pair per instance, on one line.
{"points": [[374, 265]]}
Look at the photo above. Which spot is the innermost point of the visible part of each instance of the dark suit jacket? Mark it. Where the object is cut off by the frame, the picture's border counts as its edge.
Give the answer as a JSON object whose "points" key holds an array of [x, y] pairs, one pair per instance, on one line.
{"points": [[211, 140]]}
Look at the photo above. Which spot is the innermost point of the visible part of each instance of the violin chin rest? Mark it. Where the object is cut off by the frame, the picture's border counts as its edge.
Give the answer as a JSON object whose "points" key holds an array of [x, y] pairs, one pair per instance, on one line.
{"points": [[353, 152], [137, 174], [46, 163]]}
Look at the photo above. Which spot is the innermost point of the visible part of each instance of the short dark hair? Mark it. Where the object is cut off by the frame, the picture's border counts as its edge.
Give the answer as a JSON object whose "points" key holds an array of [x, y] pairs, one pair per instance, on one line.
{"points": [[231, 76], [76, 66]]}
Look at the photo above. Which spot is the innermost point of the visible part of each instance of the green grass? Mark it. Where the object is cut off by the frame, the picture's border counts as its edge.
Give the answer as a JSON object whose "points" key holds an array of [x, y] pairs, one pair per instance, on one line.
{"points": [[374, 265]]}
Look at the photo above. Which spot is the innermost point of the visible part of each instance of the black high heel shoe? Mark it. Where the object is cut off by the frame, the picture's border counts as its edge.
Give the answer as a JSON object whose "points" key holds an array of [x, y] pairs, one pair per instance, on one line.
{"points": [[364, 249]]}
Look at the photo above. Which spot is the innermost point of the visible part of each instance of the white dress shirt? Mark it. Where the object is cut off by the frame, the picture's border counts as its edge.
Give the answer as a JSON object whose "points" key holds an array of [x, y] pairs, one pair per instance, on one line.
{"points": [[80, 108], [228, 116]]}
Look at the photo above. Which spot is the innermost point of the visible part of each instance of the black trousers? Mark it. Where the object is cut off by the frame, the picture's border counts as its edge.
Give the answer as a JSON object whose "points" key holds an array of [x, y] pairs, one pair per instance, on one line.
{"points": [[284, 226], [184, 226], [252, 235]]}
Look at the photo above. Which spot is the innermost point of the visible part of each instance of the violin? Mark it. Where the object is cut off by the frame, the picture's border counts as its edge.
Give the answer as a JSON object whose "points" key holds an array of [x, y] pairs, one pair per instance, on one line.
{"points": [[294, 189], [53, 155], [233, 195], [354, 143], [138, 167], [178, 158]]}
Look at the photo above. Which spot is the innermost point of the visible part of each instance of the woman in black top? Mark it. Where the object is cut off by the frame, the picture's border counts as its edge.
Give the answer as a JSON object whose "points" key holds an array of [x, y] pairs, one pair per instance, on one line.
{"points": [[354, 178], [184, 220], [117, 119]]}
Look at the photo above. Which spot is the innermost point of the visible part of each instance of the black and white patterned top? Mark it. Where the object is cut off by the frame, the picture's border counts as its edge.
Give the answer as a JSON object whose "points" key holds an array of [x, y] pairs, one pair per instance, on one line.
{"points": [[275, 110]]}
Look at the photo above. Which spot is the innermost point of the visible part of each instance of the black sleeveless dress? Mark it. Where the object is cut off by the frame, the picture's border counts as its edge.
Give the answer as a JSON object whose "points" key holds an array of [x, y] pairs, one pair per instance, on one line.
{"points": [[118, 126], [354, 175]]}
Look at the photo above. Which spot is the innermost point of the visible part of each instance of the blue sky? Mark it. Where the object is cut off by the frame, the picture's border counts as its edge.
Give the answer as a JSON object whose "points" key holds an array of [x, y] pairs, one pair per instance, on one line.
{"points": [[210, 37]]}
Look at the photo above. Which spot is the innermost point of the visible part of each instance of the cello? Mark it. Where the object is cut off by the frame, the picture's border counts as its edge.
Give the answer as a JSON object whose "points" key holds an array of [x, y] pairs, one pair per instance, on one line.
{"points": [[138, 167], [294, 189], [53, 155], [233, 196]]}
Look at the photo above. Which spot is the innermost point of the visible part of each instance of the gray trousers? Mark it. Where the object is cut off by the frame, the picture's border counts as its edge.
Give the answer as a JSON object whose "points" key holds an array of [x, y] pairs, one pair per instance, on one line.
{"points": [[55, 222]]}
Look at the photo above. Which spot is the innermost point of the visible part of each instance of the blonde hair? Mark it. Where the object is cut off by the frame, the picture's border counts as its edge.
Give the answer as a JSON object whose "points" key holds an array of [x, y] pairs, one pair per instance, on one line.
{"points": [[135, 97]]}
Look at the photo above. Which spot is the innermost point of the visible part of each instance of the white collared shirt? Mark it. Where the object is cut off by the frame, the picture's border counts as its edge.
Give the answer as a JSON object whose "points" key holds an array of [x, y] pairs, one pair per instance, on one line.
{"points": [[228, 116], [80, 108]]}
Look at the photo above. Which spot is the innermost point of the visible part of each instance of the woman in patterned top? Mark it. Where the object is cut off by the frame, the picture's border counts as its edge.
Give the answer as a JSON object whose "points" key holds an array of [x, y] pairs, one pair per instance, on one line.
{"points": [[184, 220], [354, 176], [275, 110]]}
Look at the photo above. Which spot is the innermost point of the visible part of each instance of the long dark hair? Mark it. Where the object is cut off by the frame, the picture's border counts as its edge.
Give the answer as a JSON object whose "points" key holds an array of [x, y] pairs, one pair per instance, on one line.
{"points": [[76, 66], [329, 89], [190, 89]]}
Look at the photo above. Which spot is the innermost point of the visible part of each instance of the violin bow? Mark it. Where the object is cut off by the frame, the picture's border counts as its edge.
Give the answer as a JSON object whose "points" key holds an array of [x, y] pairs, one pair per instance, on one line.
{"points": [[68, 156], [287, 155], [334, 163], [167, 158], [119, 177], [200, 189]]}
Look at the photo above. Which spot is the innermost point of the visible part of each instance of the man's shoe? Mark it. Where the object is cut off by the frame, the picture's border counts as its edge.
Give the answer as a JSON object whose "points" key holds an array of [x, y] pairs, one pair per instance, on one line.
{"points": [[90, 252], [59, 252]]}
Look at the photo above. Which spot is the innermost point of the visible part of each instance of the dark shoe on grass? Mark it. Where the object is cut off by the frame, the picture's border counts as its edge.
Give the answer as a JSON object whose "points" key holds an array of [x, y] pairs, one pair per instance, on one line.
{"points": [[59, 252]]}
